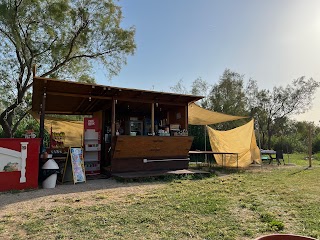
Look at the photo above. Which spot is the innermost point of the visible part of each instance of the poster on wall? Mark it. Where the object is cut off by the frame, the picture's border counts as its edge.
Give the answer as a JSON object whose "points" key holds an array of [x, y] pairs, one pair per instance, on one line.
{"points": [[12, 160], [75, 164]]}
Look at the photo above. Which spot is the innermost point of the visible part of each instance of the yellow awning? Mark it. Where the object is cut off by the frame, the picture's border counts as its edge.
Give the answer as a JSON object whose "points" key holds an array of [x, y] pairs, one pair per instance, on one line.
{"points": [[201, 116], [240, 140]]}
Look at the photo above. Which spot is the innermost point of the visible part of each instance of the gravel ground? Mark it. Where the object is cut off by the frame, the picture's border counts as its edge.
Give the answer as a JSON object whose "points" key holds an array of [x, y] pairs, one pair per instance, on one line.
{"points": [[83, 193]]}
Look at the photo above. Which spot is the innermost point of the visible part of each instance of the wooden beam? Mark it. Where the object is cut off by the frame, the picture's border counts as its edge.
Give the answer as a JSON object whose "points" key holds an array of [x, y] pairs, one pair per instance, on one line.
{"points": [[94, 103], [106, 105], [78, 95], [138, 95], [186, 117], [42, 116], [113, 118], [310, 146], [68, 112], [34, 70], [118, 97], [141, 100], [152, 118], [79, 106], [89, 107], [120, 89]]}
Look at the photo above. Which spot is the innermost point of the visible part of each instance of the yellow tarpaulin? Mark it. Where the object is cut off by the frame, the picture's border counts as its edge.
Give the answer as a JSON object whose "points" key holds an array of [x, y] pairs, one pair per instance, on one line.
{"points": [[73, 129], [241, 140], [201, 116]]}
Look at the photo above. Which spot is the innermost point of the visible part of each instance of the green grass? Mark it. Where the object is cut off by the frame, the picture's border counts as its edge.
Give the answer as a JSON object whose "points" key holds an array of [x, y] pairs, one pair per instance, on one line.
{"points": [[301, 159], [241, 205]]}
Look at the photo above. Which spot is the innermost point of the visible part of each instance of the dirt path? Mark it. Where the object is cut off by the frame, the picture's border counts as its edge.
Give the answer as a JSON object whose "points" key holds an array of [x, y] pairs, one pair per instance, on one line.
{"points": [[101, 190], [83, 193]]}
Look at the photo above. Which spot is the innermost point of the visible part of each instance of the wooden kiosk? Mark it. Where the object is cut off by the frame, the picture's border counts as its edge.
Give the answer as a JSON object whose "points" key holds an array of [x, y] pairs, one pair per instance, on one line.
{"points": [[140, 130]]}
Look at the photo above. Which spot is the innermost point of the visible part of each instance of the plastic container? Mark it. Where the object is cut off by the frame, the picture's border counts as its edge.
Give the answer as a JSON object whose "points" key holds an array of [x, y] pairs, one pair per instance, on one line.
{"points": [[50, 170]]}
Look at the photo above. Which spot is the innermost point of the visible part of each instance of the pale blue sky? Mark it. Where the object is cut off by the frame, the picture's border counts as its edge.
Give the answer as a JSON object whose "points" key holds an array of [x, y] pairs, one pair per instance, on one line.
{"points": [[271, 41]]}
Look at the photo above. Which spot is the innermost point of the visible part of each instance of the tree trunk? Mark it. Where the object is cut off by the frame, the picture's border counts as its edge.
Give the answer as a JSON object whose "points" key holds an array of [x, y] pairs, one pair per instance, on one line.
{"points": [[263, 142], [269, 134], [7, 132], [6, 122]]}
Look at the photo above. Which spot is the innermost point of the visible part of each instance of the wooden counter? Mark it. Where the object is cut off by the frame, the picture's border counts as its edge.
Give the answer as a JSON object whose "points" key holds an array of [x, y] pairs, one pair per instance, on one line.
{"points": [[149, 153]]}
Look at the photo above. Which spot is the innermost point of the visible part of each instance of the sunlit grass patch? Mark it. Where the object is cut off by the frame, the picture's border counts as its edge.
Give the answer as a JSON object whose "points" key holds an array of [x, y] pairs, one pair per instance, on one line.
{"points": [[239, 205]]}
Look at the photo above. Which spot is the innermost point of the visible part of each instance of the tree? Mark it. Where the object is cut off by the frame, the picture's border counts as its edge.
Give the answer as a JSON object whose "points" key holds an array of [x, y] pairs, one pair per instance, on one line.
{"points": [[256, 99], [179, 88], [271, 107], [228, 96], [64, 38], [201, 87]]}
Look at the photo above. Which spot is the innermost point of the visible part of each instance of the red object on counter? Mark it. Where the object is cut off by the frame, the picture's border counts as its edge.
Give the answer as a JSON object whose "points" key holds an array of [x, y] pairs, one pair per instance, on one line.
{"points": [[11, 179]]}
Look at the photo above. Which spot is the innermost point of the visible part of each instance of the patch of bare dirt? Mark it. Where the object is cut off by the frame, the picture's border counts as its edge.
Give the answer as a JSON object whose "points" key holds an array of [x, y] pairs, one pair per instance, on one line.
{"points": [[82, 194]]}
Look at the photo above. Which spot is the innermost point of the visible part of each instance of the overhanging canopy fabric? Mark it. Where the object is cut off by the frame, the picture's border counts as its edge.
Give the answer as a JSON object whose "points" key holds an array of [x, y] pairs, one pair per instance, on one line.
{"points": [[241, 140], [73, 129], [201, 116]]}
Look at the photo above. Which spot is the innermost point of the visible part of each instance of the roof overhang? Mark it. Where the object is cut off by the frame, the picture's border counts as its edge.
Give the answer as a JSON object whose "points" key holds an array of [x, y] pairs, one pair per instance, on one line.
{"points": [[67, 97]]}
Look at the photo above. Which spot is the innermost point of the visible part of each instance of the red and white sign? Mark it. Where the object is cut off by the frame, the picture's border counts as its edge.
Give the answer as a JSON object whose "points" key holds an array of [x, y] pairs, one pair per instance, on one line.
{"points": [[19, 163], [91, 123]]}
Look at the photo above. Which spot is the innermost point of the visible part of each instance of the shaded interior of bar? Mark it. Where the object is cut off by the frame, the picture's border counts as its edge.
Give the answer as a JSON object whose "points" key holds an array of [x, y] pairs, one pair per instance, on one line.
{"points": [[124, 130]]}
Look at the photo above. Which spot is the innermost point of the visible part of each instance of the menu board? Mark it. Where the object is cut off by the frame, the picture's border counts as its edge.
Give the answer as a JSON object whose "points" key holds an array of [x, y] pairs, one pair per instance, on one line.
{"points": [[76, 157]]}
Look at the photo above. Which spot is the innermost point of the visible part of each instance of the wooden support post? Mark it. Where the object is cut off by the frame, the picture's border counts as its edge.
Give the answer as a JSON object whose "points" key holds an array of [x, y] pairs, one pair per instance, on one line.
{"points": [[34, 70], [113, 117], [152, 118], [42, 116], [310, 147], [186, 117], [205, 143]]}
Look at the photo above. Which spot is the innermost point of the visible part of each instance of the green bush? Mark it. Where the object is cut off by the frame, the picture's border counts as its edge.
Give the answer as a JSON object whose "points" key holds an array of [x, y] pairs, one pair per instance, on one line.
{"points": [[28, 123], [316, 144]]}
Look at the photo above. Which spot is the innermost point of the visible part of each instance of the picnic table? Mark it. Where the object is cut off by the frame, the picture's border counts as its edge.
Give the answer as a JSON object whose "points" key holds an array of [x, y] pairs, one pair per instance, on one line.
{"points": [[271, 153]]}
